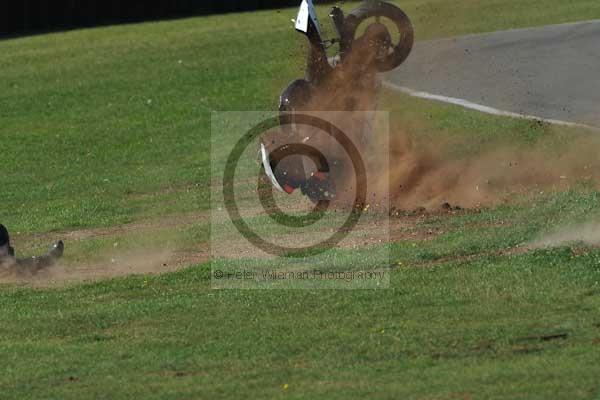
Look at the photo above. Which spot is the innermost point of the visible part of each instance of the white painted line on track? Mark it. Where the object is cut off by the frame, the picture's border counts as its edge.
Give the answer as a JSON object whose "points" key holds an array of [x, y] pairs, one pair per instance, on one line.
{"points": [[484, 109]]}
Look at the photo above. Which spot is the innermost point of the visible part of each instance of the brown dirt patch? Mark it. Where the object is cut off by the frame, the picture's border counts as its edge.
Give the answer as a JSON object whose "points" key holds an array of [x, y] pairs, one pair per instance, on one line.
{"points": [[119, 264], [131, 263]]}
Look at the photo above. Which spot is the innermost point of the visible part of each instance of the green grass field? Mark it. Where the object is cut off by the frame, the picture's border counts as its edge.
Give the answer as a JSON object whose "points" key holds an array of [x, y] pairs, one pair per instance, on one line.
{"points": [[108, 128]]}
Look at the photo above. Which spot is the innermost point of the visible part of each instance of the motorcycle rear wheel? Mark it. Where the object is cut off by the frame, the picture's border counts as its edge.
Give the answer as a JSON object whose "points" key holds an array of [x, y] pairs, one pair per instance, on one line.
{"points": [[378, 9]]}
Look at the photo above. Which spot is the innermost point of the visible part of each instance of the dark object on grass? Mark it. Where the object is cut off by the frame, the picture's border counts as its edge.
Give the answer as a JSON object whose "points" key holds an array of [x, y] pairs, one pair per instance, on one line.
{"points": [[5, 249], [345, 82], [32, 264], [544, 337]]}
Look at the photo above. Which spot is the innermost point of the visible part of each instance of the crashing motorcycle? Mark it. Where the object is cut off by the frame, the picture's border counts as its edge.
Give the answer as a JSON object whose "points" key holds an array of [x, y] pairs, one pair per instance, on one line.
{"points": [[8, 260], [347, 82]]}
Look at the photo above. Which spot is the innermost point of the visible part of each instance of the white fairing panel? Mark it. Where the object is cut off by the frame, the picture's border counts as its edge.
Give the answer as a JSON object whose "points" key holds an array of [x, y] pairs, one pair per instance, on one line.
{"points": [[267, 166], [307, 12]]}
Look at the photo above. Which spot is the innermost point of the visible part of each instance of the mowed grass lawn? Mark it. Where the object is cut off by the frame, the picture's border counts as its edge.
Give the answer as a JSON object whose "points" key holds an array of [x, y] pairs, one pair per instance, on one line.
{"points": [[101, 127]]}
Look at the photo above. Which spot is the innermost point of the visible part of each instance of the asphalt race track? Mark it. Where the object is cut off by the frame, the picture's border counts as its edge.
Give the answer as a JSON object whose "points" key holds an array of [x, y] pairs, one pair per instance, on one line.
{"points": [[552, 72]]}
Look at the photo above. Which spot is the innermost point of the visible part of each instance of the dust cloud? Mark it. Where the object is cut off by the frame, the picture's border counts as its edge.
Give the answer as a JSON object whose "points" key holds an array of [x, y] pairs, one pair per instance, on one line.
{"points": [[135, 262], [428, 174], [413, 172], [587, 233]]}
